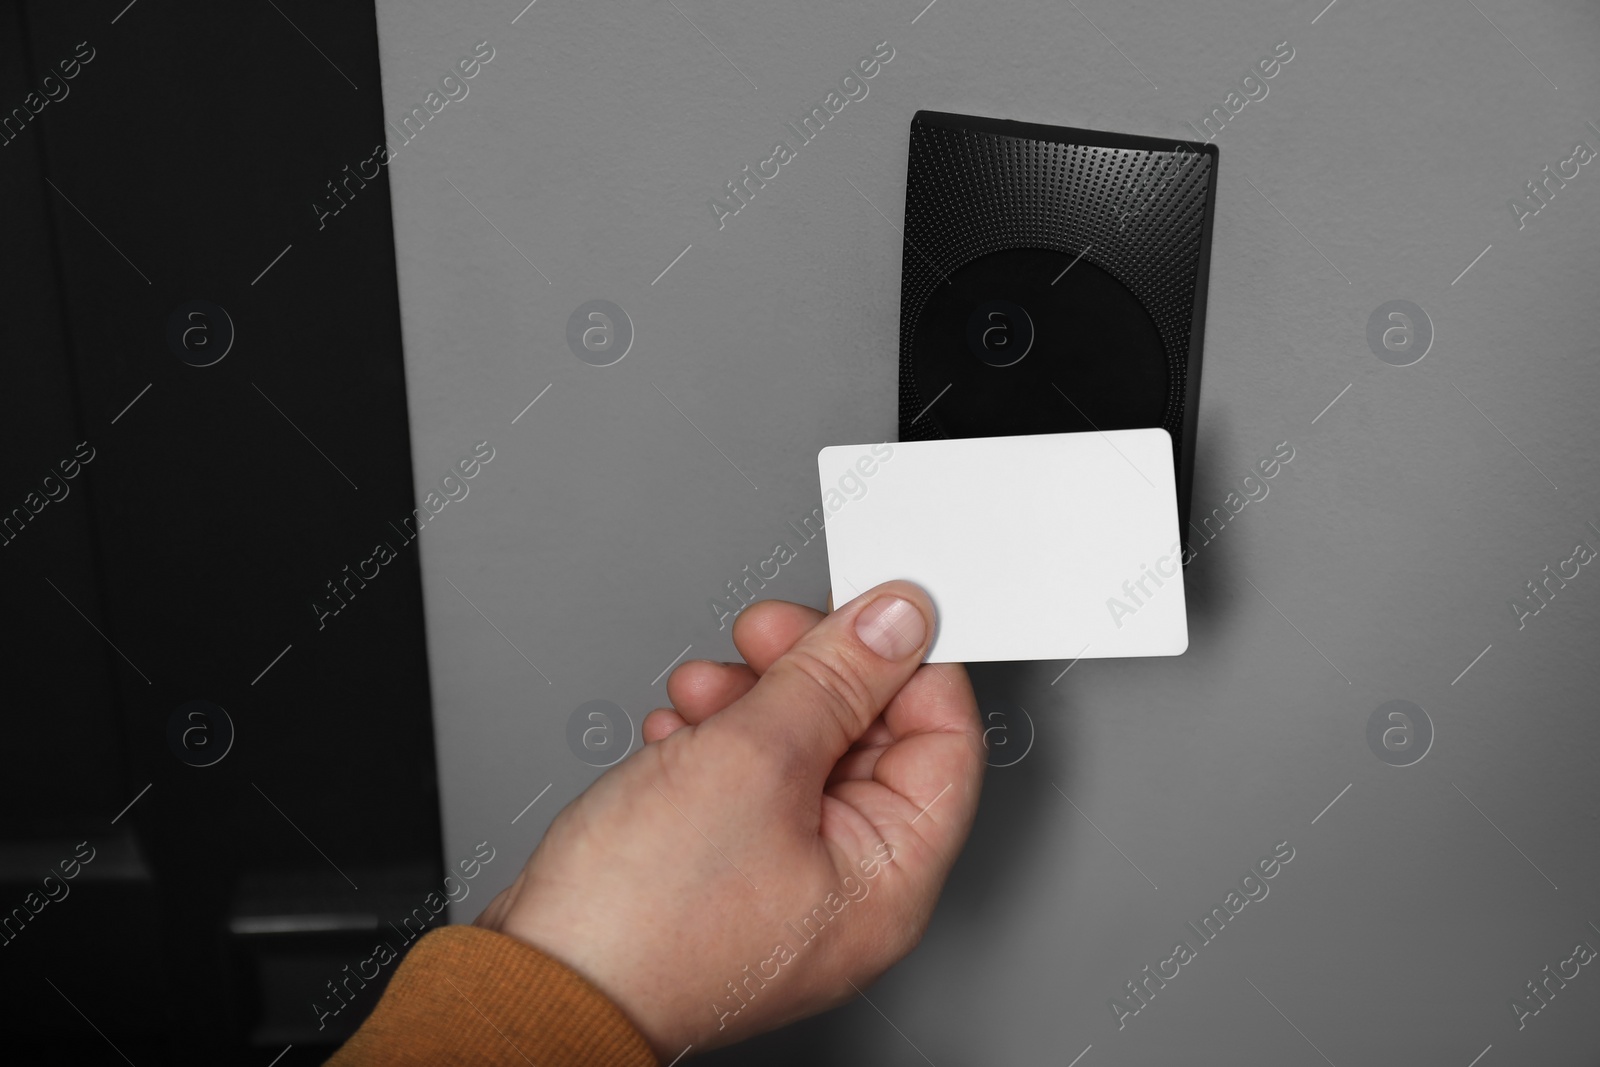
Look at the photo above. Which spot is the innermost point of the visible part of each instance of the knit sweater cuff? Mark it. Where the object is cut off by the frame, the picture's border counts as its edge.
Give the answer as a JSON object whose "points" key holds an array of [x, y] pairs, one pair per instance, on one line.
{"points": [[466, 995]]}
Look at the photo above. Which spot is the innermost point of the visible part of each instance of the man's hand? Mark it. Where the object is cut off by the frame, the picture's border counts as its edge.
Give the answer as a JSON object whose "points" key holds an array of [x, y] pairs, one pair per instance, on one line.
{"points": [[782, 837]]}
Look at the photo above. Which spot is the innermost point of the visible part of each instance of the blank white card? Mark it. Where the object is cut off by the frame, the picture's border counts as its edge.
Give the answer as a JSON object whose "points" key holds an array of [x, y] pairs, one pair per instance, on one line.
{"points": [[1044, 547]]}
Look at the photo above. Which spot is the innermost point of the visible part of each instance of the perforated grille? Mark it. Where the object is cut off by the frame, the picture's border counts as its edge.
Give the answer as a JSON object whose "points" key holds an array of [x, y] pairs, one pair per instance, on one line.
{"points": [[1139, 212]]}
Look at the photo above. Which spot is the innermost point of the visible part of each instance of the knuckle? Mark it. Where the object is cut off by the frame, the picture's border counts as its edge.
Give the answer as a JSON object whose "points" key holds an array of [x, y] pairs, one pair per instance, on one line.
{"points": [[837, 684], [907, 936]]}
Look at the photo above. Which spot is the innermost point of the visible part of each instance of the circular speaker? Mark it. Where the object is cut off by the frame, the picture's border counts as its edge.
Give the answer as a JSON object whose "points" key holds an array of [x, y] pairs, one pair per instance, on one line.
{"points": [[1032, 340]]}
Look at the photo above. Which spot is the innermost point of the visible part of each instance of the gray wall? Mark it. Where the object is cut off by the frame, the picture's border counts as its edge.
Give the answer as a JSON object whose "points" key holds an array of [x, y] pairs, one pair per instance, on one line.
{"points": [[1382, 161]]}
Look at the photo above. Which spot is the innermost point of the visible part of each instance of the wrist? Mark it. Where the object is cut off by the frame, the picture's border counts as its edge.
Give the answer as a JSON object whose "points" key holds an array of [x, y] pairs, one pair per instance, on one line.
{"points": [[586, 954]]}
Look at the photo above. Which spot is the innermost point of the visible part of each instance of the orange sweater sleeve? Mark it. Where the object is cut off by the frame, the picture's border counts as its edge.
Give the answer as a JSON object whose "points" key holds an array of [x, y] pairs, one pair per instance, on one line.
{"points": [[469, 996]]}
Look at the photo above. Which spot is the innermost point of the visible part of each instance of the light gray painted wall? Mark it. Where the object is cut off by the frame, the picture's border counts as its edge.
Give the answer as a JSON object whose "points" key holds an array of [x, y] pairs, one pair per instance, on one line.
{"points": [[1382, 162]]}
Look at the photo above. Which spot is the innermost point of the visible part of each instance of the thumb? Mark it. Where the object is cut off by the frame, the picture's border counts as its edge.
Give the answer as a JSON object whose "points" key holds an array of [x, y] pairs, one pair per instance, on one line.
{"points": [[818, 698]]}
